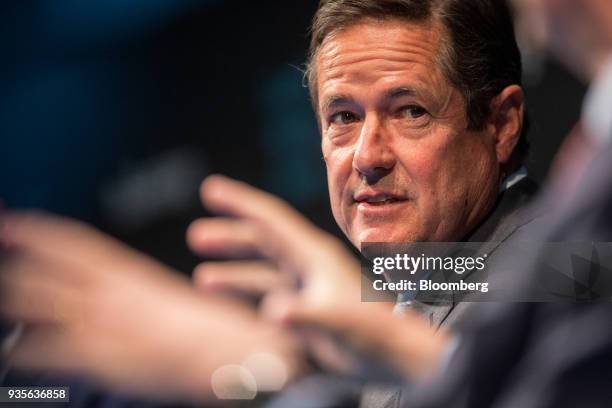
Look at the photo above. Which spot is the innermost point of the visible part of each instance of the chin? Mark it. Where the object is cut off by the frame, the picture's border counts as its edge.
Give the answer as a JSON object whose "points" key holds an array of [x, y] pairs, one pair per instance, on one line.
{"points": [[387, 235]]}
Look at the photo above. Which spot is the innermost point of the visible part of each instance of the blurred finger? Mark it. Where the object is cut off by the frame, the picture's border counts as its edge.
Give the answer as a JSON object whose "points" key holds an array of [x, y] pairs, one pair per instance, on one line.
{"points": [[70, 242], [223, 237], [290, 233], [30, 291], [292, 309], [255, 277]]}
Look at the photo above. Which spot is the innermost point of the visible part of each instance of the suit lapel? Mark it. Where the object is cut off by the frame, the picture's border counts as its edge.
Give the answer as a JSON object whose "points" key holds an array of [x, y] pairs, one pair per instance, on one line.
{"points": [[511, 211]]}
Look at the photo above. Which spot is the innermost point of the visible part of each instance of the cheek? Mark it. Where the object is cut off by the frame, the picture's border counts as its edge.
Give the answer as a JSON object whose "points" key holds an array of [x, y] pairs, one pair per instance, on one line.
{"points": [[339, 168], [437, 170], [458, 174], [423, 165], [339, 165]]}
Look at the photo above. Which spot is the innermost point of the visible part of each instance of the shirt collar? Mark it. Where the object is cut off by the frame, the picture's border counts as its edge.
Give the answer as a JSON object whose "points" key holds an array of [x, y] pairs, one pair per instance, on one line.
{"points": [[513, 179]]}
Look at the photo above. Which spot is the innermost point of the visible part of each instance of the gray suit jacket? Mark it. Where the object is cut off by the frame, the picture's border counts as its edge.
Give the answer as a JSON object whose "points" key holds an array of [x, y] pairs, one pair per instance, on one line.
{"points": [[539, 354], [510, 215]]}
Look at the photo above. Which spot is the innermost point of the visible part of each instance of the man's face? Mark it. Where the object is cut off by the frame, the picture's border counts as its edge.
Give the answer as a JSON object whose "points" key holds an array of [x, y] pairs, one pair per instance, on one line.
{"points": [[401, 165]]}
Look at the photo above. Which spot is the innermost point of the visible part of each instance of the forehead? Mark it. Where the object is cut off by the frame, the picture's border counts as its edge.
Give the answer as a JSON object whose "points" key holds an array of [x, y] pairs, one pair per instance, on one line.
{"points": [[372, 53]]}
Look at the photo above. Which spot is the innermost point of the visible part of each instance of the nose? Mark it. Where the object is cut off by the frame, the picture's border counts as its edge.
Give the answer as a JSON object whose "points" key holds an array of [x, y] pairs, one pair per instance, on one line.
{"points": [[373, 158]]}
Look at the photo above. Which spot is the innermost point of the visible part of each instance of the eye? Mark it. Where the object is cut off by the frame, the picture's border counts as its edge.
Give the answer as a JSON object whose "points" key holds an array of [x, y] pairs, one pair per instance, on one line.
{"points": [[413, 111], [343, 118]]}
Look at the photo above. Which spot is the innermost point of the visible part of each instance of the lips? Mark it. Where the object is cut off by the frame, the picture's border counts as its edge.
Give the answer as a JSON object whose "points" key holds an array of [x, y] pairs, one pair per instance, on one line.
{"points": [[377, 205], [377, 198]]}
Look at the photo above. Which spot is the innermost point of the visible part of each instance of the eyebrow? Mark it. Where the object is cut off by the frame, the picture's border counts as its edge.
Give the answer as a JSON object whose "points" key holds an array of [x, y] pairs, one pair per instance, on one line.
{"points": [[337, 100], [342, 100], [399, 92]]}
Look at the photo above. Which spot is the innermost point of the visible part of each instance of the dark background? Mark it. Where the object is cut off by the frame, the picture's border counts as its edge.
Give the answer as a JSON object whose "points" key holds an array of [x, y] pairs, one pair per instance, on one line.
{"points": [[112, 111]]}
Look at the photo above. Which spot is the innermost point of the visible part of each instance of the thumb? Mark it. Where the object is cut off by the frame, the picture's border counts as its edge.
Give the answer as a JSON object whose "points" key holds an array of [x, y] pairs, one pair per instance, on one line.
{"points": [[289, 308]]}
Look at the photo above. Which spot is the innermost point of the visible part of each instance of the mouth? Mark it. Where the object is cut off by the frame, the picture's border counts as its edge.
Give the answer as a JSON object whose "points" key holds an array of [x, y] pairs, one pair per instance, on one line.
{"points": [[377, 199], [381, 202]]}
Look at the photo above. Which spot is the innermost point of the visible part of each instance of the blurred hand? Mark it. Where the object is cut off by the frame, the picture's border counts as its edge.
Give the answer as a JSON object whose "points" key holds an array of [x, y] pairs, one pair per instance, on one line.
{"points": [[289, 252], [309, 279], [93, 306]]}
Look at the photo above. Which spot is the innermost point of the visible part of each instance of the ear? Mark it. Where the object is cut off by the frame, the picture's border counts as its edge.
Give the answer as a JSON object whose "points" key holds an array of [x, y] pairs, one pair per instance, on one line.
{"points": [[507, 110]]}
